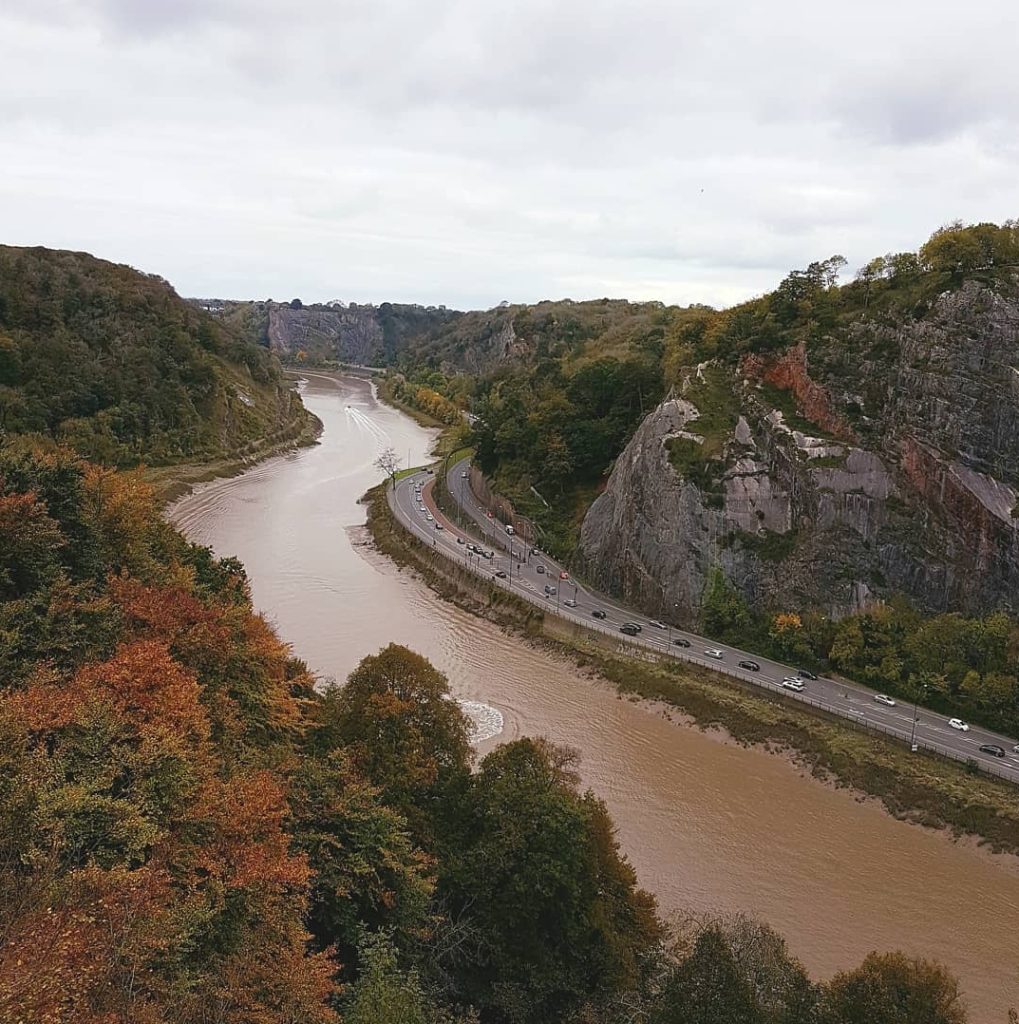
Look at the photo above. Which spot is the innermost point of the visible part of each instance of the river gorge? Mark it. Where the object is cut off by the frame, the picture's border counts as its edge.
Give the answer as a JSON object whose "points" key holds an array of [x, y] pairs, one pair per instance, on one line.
{"points": [[711, 827]]}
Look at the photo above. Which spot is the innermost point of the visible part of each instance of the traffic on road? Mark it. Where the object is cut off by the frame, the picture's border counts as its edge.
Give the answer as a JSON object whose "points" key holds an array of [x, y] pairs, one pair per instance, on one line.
{"points": [[510, 562]]}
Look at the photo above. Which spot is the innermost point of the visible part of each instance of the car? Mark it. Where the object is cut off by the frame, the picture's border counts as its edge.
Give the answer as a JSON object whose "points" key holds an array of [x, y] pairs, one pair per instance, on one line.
{"points": [[570, 603], [598, 614], [430, 517], [681, 641], [993, 749], [656, 624], [714, 652], [500, 574], [463, 476], [551, 591], [883, 698], [487, 554], [792, 683], [805, 673], [534, 551], [629, 629], [459, 540], [636, 625], [1015, 749], [564, 575], [540, 570], [958, 723], [752, 665], [438, 526]]}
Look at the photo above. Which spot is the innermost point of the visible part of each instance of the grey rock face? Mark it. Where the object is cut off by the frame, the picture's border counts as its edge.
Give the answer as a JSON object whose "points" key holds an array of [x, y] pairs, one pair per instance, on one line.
{"points": [[922, 505], [353, 335]]}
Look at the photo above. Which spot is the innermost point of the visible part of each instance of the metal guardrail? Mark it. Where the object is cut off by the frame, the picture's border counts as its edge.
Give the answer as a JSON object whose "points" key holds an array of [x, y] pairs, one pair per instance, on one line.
{"points": [[662, 650]]}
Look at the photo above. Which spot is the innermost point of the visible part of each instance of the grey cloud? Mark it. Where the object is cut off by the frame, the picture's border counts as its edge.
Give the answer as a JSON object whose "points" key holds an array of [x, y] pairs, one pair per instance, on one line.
{"points": [[464, 152]]}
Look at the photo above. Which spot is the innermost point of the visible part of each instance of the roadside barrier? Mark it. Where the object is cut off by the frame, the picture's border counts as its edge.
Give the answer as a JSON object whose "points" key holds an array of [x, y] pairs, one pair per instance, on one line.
{"points": [[660, 649]]}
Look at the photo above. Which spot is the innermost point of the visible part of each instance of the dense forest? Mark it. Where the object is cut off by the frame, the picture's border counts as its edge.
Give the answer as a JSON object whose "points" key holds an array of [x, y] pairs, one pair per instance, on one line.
{"points": [[192, 831], [113, 363]]}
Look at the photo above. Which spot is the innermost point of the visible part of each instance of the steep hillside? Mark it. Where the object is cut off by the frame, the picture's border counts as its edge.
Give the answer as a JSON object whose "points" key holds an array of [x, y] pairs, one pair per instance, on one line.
{"points": [[825, 447], [115, 364]]}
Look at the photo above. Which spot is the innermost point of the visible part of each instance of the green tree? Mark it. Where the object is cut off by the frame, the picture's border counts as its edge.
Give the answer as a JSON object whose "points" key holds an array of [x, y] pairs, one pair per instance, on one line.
{"points": [[555, 914], [707, 987], [404, 732], [385, 993], [367, 873], [891, 988], [724, 611]]}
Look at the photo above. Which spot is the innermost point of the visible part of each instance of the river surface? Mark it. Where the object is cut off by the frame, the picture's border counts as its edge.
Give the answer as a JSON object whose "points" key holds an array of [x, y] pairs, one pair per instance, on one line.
{"points": [[709, 826]]}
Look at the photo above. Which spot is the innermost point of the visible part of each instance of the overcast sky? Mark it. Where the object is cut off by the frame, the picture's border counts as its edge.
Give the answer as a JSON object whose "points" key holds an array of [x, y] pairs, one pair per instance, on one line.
{"points": [[467, 152]]}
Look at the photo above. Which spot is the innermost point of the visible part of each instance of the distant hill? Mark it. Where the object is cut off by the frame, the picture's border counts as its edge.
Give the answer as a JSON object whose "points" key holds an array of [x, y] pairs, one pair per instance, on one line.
{"points": [[115, 364], [334, 332]]}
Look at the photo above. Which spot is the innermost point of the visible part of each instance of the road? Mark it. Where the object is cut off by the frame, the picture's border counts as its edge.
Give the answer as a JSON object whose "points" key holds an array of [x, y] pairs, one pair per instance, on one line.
{"points": [[527, 573]]}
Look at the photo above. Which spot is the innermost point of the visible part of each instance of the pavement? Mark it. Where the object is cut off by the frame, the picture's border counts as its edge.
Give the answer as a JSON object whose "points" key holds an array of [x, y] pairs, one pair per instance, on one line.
{"points": [[527, 572]]}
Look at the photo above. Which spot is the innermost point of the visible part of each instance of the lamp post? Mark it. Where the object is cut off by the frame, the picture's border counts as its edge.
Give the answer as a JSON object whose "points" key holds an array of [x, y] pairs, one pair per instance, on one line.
{"points": [[916, 716], [672, 615]]}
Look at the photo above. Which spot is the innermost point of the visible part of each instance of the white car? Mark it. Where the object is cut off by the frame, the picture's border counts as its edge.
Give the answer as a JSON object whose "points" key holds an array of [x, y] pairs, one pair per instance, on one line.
{"points": [[570, 603], [463, 476], [792, 683], [883, 698], [656, 624], [711, 652], [958, 723], [430, 517]]}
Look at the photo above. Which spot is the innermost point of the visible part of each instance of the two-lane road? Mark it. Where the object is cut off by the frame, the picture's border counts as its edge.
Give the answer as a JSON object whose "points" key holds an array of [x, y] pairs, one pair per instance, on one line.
{"points": [[539, 579]]}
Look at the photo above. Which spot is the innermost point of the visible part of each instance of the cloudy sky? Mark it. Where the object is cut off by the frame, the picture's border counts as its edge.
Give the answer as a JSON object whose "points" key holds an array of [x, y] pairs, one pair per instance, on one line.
{"points": [[441, 151]]}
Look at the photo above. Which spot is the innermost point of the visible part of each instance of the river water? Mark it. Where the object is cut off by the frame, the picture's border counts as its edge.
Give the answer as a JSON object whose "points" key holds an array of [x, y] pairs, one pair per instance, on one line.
{"points": [[709, 826]]}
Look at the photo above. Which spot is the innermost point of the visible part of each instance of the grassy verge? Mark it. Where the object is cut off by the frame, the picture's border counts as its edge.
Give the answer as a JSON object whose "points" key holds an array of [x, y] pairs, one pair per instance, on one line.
{"points": [[919, 788]]}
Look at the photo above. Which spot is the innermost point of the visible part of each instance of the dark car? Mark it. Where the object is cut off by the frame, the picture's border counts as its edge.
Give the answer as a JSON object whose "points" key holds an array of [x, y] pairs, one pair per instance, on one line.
{"points": [[681, 641], [805, 673], [629, 629], [540, 569], [752, 665], [634, 625], [598, 613], [501, 575], [993, 749]]}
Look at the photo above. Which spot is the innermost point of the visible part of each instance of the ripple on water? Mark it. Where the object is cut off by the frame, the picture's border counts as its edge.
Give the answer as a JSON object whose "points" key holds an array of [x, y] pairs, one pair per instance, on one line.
{"points": [[486, 721]]}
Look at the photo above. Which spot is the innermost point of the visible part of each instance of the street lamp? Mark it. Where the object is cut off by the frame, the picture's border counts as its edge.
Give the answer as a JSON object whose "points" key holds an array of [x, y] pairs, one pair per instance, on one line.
{"points": [[916, 715]]}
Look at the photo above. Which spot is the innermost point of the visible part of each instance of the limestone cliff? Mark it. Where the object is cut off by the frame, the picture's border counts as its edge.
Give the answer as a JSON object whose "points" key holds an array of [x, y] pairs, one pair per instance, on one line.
{"points": [[881, 461]]}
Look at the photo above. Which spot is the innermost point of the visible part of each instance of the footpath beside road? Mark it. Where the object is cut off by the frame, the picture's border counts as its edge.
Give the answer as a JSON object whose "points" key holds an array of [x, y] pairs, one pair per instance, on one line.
{"points": [[541, 582]]}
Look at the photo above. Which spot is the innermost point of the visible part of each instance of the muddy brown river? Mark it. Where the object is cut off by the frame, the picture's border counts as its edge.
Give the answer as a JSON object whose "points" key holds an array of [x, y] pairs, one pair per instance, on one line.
{"points": [[709, 826]]}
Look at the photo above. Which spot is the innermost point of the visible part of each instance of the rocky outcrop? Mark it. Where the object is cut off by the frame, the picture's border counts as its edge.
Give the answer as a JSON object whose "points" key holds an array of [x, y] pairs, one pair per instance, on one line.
{"points": [[908, 486], [348, 335]]}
